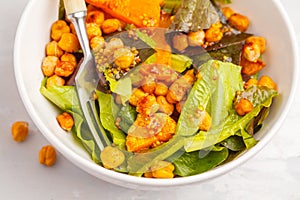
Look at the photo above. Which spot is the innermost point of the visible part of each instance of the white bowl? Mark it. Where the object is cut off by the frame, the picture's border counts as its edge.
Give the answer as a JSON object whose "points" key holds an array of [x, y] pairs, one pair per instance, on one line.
{"points": [[33, 33]]}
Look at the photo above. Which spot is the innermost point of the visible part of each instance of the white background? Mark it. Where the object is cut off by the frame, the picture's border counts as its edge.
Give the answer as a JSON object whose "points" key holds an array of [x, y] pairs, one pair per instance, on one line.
{"points": [[272, 174]]}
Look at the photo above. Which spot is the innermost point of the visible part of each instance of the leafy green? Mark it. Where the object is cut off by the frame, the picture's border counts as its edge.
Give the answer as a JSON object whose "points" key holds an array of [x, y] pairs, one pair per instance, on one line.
{"points": [[195, 15], [234, 143], [224, 1], [194, 162], [108, 114], [127, 115], [61, 10], [171, 6], [65, 98]]}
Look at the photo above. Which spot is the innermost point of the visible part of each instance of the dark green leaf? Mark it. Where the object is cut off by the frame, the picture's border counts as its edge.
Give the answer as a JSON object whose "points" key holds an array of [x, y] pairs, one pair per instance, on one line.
{"points": [[127, 115], [234, 143]]}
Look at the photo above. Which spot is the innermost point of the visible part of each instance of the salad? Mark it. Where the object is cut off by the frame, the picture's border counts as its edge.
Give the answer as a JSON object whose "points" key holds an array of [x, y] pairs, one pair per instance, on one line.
{"points": [[181, 90]]}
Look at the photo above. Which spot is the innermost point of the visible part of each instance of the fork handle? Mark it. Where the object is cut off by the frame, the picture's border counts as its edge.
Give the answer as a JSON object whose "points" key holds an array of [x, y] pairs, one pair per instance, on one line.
{"points": [[74, 6]]}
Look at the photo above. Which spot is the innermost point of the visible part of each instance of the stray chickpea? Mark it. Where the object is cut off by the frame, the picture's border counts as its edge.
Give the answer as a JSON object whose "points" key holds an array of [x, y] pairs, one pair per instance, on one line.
{"points": [[68, 57], [196, 38], [239, 22], [49, 64], [161, 89], [243, 107], [64, 69], [47, 155], [19, 131], [250, 68], [65, 121], [58, 28], [267, 82], [55, 80], [93, 30], [69, 42], [110, 26], [52, 49]]}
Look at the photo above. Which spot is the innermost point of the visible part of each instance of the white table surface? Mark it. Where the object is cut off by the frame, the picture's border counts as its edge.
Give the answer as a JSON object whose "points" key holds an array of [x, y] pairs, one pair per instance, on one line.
{"points": [[272, 174]]}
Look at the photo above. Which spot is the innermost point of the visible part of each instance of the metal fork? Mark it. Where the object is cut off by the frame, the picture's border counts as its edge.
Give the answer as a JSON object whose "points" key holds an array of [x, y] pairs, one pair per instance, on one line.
{"points": [[86, 79]]}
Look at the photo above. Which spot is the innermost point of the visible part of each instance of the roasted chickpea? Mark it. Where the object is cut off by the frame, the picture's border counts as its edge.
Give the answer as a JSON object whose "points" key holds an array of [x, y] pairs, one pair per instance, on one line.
{"points": [[162, 169], [205, 122], [196, 38], [93, 30], [164, 105], [47, 155], [161, 89], [137, 94], [49, 64], [123, 58], [55, 80], [268, 82], [97, 42], [214, 33], [68, 57], [110, 26], [227, 12], [243, 107], [250, 68], [251, 52], [147, 105], [239, 22], [69, 42], [19, 131], [52, 49], [260, 41], [64, 69], [65, 121], [58, 28], [95, 16], [250, 82]]}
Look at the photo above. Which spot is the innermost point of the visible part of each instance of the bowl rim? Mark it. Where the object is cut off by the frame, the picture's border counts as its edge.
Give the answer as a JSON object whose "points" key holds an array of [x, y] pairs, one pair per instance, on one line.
{"points": [[132, 181]]}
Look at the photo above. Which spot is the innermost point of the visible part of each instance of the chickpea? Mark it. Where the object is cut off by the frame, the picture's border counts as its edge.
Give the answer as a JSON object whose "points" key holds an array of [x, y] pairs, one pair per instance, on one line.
{"points": [[19, 131], [97, 42], [243, 107], [123, 58], [250, 82], [251, 52], [52, 49], [55, 80], [137, 94], [214, 33], [95, 16], [251, 68], [110, 26], [206, 121], [68, 57], [180, 41], [239, 22], [64, 69], [196, 38], [268, 82], [260, 41], [227, 12], [148, 86], [93, 30], [47, 155], [147, 105], [161, 89], [49, 64], [69, 42], [65, 121], [58, 28], [162, 169], [179, 105], [164, 105]]}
